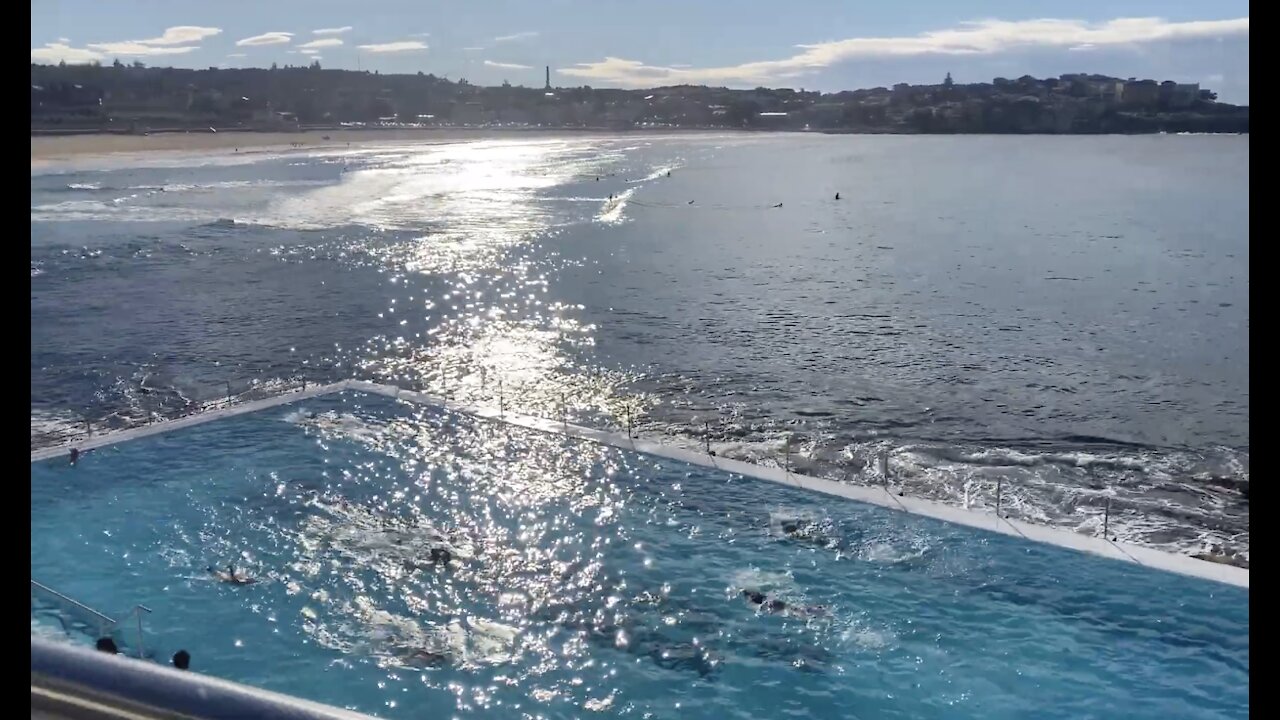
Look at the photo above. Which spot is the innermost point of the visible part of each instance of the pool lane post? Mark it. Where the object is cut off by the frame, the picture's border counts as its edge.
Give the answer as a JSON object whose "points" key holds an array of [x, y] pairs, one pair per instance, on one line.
{"points": [[1106, 519], [999, 492]]}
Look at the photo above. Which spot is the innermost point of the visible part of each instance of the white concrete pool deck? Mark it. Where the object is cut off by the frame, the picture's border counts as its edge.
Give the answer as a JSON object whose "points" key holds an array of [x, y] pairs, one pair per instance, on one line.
{"points": [[881, 496]]}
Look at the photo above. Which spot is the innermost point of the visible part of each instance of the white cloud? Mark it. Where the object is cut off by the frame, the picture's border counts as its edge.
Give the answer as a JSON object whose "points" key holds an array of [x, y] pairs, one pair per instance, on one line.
{"points": [[326, 42], [237, 55], [54, 53], [332, 31], [515, 36], [472, 49], [309, 52], [507, 66], [176, 40], [64, 41], [982, 37], [271, 38], [395, 47], [181, 35], [133, 48]]}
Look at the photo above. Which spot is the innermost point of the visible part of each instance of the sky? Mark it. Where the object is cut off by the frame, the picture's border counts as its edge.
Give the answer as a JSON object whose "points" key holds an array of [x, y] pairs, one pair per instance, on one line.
{"points": [[826, 45]]}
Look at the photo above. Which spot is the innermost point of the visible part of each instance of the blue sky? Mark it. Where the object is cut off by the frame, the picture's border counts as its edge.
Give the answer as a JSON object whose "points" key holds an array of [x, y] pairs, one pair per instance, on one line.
{"points": [[814, 44]]}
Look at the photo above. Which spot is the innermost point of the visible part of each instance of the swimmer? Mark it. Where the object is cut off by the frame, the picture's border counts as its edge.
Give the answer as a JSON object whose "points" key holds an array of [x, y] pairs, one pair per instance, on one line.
{"points": [[778, 205], [229, 576], [75, 455], [441, 556], [775, 605], [690, 202], [837, 196]]}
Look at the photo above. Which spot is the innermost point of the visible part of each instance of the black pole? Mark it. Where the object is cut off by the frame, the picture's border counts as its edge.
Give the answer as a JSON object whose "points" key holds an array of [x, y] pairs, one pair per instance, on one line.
{"points": [[1106, 519], [999, 492], [707, 437]]}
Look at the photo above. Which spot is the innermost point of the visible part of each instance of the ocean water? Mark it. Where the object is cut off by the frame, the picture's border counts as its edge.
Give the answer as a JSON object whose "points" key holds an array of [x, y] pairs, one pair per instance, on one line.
{"points": [[585, 580], [1065, 316]]}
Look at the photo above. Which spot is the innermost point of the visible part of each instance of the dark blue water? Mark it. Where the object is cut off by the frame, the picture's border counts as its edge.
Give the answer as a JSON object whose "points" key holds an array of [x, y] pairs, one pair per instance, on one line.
{"points": [[591, 580], [1066, 315]]}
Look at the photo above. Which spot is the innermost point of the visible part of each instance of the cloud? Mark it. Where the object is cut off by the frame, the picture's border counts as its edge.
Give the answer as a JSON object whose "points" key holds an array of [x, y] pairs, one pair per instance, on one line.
{"points": [[176, 40], [181, 35], [309, 52], [323, 43], [395, 47], [332, 31], [982, 37], [515, 36], [135, 48], [507, 66], [54, 53], [271, 38], [472, 49], [237, 55]]}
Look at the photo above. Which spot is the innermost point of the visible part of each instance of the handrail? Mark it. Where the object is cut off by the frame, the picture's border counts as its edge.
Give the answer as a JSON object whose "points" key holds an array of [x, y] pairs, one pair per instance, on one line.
{"points": [[72, 601], [70, 681]]}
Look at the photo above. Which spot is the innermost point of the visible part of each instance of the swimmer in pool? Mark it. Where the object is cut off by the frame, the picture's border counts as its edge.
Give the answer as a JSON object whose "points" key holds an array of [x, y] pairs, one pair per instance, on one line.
{"points": [[775, 605], [229, 576]]}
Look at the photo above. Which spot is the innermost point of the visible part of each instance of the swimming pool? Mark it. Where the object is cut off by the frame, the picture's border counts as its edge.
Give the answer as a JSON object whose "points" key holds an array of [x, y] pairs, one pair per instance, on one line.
{"points": [[587, 578]]}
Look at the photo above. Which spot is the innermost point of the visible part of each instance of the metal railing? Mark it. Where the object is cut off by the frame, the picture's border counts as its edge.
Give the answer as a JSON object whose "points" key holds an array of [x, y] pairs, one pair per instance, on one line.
{"points": [[68, 681], [74, 616]]}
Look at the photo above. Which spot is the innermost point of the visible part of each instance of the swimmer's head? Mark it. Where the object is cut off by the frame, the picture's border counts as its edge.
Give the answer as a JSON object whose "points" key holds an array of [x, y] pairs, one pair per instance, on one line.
{"points": [[777, 605], [790, 527], [756, 598]]}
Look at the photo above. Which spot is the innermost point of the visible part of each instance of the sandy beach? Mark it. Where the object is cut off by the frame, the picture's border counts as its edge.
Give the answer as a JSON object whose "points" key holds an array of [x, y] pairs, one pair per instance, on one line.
{"points": [[47, 148]]}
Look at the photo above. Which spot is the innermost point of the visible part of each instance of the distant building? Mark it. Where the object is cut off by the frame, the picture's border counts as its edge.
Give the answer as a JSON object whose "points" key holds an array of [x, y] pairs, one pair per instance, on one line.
{"points": [[1141, 93]]}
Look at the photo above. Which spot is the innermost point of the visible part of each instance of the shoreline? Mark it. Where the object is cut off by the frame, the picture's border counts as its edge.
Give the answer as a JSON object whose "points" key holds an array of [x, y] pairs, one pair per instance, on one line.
{"points": [[52, 148]]}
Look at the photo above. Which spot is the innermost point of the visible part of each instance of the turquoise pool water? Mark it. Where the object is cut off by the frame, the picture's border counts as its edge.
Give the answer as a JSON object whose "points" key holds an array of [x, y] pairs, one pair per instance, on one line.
{"points": [[586, 580]]}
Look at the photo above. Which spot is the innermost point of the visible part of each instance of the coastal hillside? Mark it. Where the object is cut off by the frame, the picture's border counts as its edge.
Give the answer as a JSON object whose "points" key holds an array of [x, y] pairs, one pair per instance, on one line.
{"points": [[134, 99]]}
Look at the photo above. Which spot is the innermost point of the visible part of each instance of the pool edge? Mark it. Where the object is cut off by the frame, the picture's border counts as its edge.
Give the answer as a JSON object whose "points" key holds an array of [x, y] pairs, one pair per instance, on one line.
{"points": [[881, 496]]}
